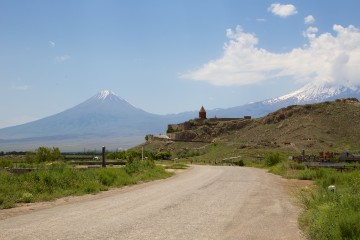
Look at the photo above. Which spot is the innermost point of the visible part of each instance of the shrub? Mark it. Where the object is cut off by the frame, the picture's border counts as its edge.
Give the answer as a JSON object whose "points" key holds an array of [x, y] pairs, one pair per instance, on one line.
{"points": [[5, 163], [44, 154], [132, 167], [163, 156], [170, 129], [27, 197], [279, 168], [272, 158], [239, 163]]}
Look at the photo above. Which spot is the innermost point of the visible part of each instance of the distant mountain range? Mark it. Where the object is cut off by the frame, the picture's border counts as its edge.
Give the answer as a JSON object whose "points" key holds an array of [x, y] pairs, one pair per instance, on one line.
{"points": [[310, 93], [107, 119]]}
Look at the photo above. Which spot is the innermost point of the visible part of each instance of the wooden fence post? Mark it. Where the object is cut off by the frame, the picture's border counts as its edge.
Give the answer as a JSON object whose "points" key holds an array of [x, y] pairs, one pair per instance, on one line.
{"points": [[103, 157]]}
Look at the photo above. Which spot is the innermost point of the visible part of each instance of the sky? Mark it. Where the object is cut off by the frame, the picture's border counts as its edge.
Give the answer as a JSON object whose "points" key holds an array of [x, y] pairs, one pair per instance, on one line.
{"points": [[170, 56]]}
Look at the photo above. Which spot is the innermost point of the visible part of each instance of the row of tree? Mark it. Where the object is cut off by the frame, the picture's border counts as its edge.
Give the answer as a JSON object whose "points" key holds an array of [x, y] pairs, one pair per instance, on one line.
{"points": [[47, 154], [138, 154]]}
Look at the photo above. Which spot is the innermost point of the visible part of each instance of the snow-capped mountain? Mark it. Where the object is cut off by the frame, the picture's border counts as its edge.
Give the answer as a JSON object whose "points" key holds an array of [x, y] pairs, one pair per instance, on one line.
{"points": [[310, 93], [99, 119]]}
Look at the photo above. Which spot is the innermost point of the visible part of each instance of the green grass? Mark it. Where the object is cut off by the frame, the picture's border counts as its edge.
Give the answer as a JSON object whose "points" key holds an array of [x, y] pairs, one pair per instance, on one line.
{"points": [[327, 214], [179, 165], [332, 215], [59, 180]]}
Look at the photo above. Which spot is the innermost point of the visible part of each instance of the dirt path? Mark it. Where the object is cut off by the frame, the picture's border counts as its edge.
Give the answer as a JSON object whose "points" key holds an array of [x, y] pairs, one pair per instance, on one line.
{"points": [[205, 202]]}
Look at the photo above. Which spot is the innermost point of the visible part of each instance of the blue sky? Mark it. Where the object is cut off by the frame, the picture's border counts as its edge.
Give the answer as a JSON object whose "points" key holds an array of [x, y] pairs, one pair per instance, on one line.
{"points": [[170, 56]]}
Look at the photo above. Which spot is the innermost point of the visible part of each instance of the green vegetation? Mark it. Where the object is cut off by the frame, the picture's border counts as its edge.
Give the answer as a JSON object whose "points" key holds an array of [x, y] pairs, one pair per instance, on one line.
{"points": [[272, 159], [59, 180], [163, 155], [137, 154], [328, 214], [170, 129], [179, 165], [44, 154], [130, 155]]}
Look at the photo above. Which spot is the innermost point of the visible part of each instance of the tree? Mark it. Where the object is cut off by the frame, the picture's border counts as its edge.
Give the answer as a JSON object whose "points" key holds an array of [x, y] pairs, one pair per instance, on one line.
{"points": [[44, 154]]}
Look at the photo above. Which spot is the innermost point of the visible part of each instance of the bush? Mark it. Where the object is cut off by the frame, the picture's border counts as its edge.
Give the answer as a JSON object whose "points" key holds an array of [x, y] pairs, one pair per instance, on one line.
{"points": [[163, 156], [170, 129], [239, 163], [132, 167], [279, 168], [44, 154], [27, 197], [273, 158], [5, 163]]}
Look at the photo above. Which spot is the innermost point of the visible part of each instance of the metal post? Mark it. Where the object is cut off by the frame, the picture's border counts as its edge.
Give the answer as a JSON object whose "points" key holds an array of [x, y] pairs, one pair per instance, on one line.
{"points": [[103, 157]]}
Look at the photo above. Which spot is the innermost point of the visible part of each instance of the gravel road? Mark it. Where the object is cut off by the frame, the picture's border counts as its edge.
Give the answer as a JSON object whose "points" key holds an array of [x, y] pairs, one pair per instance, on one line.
{"points": [[205, 202]]}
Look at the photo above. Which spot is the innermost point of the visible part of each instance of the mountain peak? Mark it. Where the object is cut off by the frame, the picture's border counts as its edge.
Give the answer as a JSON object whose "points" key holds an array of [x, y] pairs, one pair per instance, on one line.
{"points": [[104, 94], [314, 92]]}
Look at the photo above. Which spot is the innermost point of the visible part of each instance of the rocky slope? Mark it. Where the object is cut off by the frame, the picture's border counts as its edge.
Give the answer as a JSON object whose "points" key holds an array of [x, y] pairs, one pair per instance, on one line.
{"points": [[330, 126]]}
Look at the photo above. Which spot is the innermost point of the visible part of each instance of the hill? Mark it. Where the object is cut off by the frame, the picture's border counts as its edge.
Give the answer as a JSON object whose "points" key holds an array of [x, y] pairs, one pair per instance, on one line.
{"points": [[327, 126]]}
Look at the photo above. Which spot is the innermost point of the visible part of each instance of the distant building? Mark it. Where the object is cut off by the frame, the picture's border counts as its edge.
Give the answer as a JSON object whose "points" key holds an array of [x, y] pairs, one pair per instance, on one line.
{"points": [[185, 131], [202, 113]]}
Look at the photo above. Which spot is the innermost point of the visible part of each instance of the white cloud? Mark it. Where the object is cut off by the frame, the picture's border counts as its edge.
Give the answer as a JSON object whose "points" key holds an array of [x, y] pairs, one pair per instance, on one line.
{"points": [[282, 10], [328, 58], [52, 44], [63, 58], [310, 32], [309, 19]]}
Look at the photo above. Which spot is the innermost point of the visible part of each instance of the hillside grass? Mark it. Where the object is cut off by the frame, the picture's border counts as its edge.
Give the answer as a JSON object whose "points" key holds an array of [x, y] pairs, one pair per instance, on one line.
{"points": [[60, 180]]}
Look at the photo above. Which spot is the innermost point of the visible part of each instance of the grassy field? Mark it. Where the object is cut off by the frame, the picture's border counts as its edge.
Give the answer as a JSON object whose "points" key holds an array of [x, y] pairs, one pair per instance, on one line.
{"points": [[326, 214], [59, 180]]}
